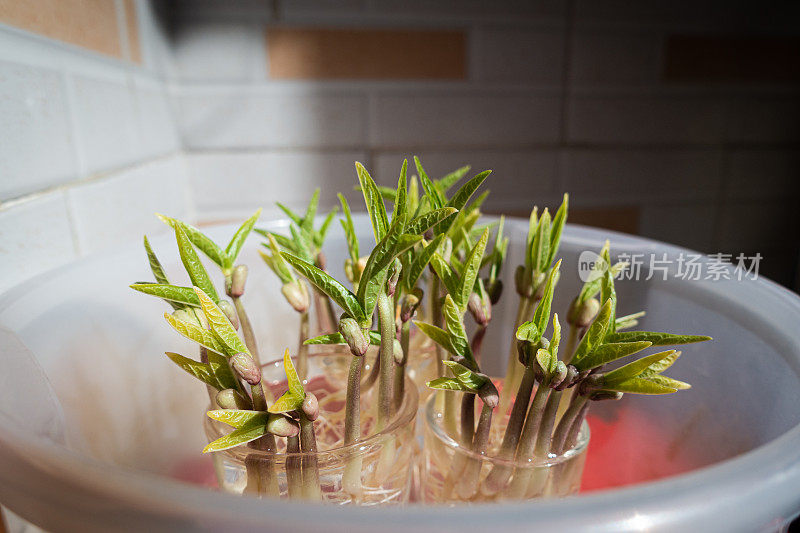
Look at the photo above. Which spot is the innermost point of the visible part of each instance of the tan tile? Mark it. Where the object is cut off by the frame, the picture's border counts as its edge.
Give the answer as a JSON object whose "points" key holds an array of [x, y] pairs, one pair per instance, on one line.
{"points": [[720, 58], [90, 24], [304, 53], [132, 24]]}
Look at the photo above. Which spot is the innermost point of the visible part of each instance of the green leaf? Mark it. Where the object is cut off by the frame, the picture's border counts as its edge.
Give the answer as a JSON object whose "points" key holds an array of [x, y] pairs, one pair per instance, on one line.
{"points": [[311, 212], [628, 321], [545, 360], [469, 274], [238, 418], [445, 182], [293, 380], [633, 369], [191, 262], [439, 336], [277, 263], [455, 328], [542, 314], [200, 335], [199, 239], [640, 386], [660, 365], [527, 331], [533, 224], [319, 236], [349, 229], [173, 293], [609, 352], [421, 260], [435, 197], [462, 196], [294, 217], [220, 324], [558, 225], [664, 381], [467, 377], [237, 241], [448, 384], [555, 339], [656, 338], [243, 435], [422, 223], [445, 273], [338, 338], [374, 202], [401, 197], [286, 403], [541, 244], [327, 284], [302, 243], [594, 336], [283, 241], [208, 373], [155, 264]]}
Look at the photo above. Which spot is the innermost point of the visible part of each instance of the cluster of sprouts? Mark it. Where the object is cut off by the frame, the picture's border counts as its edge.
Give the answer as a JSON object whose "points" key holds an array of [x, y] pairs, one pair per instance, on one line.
{"points": [[426, 263]]}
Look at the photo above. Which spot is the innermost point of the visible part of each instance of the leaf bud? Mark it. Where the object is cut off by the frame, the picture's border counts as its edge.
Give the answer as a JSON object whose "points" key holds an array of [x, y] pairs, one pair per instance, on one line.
{"points": [[297, 295], [354, 336], [559, 376], [480, 308], [447, 249], [237, 281], [246, 368], [526, 350], [495, 289], [488, 393], [409, 304], [310, 406], [186, 315], [399, 356], [522, 282], [348, 270], [200, 316], [539, 282], [394, 276], [605, 395], [230, 312], [569, 378], [581, 315], [321, 261], [281, 426], [230, 399], [591, 384]]}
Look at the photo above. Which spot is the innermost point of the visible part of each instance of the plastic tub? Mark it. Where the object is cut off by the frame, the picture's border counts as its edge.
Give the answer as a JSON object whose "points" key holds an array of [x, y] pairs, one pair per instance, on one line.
{"points": [[73, 456]]}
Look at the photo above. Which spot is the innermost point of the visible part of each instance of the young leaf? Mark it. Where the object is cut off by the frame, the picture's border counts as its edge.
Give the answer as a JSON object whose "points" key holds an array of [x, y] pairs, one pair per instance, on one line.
{"points": [[200, 335], [541, 244], [434, 196], [338, 338], [555, 339], [173, 293], [421, 260], [237, 418], [292, 379], [319, 235], [349, 230], [628, 321], [199, 239], [542, 314], [237, 241], [195, 269], [422, 223], [220, 324], [664, 381], [640, 386], [462, 196], [609, 352], [445, 273], [294, 217], [277, 263], [439, 336], [656, 338], [469, 273], [205, 372], [311, 212], [558, 225], [635, 368], [302, 243], [286, 403], [594, 336], [545, 359], [327, 284], [243, 435], [155, 264], [527, 331], [455, 329], [448, 384], [445, 182], [401, 197], [467, 377], [375, 207]]}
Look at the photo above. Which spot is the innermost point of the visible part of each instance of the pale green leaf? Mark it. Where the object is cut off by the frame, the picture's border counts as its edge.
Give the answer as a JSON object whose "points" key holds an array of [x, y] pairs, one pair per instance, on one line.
{"points": [[243, 435], [286, 403], [239, 418], [155, 264], [635, 368], [469, 274], [205, 372], [658, 339], [293, 380], [445, 182], [594, 335], [558, 226], [448, 384], [191, 262], [455, 329], [439, 336], [173, 293], [422, 223], [374, 203], [435, 197], [311, 212], [467, 377], [349, 230], [445, 273], [220, 324], [609, 352], [200, 335], [319, 236], [542, 313], [294, 217], [237, 241], [421, 260], [338, 338], [640, 386], [199, 239]]}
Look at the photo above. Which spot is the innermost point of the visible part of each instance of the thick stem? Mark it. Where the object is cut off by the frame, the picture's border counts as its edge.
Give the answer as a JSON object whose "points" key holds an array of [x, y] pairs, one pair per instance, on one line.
{"points": [[467, 419], [498, 477], [468, 483], [513, 367], [545, 436], [334, 322], [436, 320], [294, 473], [351, 478], [308, 443], [372, 377], [564, 426], [477, 343], [302, 349], [324, 322], [247, 329], [388, 335], [267, 479], [212, 394], [575, 429], [522, 476], [400, 370]]}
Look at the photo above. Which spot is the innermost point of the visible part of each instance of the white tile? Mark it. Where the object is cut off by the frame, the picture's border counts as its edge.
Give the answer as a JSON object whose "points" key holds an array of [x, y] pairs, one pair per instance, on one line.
{"points": [[121, 208], [763, 173], [448, 119], [224, 183], [608, 57], [156, 125], [246, 119], [230, 51], [636, 119], [691, 226], [518, 180], [36, 148], [757, 225], [518, 55], [642, 174], [769, 119], [35, 236], [105, 114]]}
